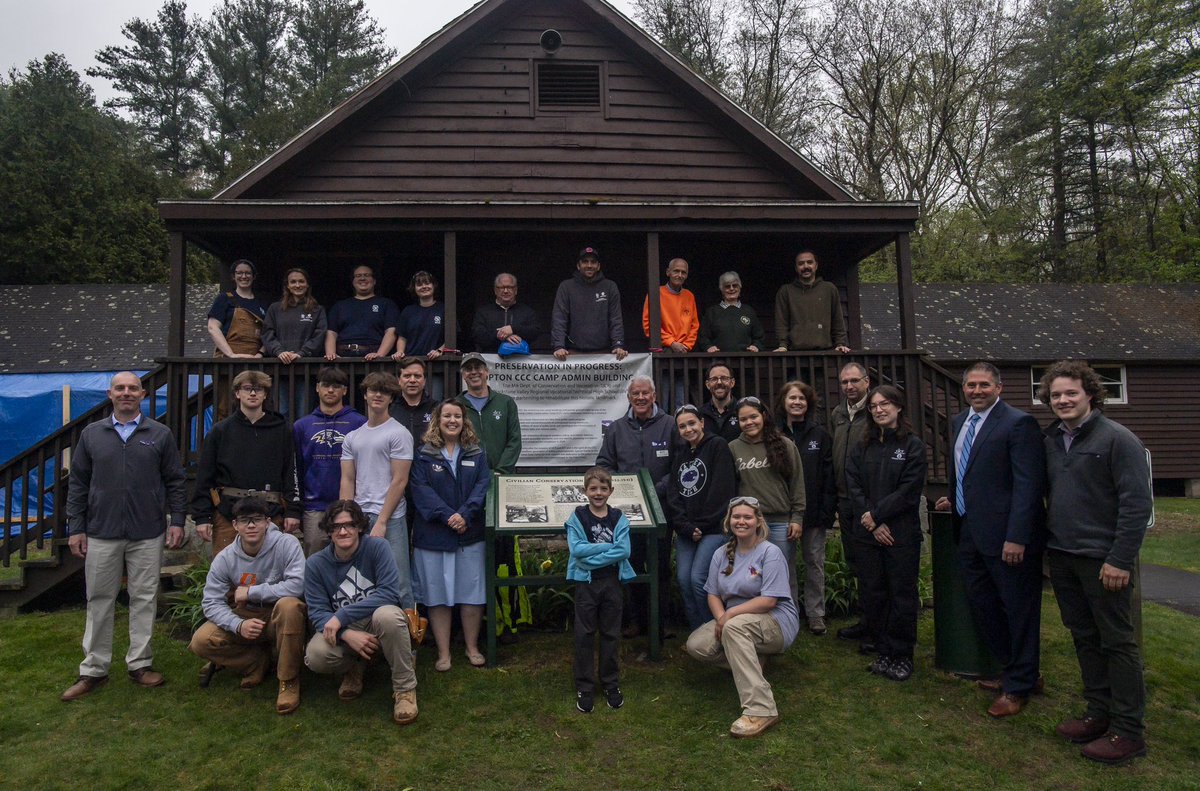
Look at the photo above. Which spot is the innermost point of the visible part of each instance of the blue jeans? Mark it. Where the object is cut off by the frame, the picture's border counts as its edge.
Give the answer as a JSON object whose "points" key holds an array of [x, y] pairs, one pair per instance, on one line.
{"points": [[692, 559], [397, 538], [777, 535]]}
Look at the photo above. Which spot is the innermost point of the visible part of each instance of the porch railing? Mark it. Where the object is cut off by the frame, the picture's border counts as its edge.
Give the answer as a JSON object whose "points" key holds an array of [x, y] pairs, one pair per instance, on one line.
{"points": [[181, 394]]}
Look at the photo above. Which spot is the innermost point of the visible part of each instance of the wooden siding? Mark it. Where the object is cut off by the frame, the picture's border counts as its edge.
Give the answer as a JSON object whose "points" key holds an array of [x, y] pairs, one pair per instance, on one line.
{"points": [[1162, 410], [470, 132]]}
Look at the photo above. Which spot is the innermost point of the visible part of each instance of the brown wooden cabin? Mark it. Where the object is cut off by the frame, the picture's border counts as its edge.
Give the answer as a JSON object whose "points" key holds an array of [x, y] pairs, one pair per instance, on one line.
{"points": [[489, 148], [1143, 340]]}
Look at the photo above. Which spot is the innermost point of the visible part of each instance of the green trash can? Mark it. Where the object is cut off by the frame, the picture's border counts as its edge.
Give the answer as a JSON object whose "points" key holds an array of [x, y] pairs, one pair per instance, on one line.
{"points": [[958, 648]]}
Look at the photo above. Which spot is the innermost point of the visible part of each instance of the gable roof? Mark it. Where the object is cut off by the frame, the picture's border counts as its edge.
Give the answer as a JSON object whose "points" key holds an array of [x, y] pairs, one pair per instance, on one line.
{"points": [[375, 110], [1040, 322], [93, 327]]}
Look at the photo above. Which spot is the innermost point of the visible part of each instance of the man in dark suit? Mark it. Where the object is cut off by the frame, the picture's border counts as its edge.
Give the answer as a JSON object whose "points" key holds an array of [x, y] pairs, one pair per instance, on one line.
{"points": [[996, 486]]}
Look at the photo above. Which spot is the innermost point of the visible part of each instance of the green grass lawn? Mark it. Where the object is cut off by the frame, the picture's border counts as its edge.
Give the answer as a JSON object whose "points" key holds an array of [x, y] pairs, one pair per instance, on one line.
{"points": [[516, 727], [1175, 538]]}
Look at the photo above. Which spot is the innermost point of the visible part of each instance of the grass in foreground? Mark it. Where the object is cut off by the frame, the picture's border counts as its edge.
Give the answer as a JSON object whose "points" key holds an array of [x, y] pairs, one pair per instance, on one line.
{"points": [[1175, 538], [516, 727]]}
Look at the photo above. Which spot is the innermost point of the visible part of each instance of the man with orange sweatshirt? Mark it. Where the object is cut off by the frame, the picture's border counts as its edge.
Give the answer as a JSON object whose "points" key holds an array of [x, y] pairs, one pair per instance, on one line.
{"points": [[680, 319]]}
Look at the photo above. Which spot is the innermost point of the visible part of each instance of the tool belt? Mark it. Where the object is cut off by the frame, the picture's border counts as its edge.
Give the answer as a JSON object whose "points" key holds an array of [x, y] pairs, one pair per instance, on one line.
{"points": [[235, 493], [225, 497]]}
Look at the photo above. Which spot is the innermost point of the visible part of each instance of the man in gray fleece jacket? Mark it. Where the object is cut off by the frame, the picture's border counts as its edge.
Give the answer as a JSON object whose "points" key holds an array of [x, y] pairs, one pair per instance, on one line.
{"points": [[125, 479], [1100, 504], [253, 599]]}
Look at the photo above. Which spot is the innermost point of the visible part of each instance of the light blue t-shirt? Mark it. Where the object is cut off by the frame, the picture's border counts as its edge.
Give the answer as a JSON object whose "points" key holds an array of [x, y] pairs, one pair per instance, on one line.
{"points": [[760, 572]]}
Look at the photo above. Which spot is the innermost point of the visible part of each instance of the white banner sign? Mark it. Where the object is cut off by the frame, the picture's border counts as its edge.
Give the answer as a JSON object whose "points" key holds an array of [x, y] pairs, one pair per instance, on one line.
{"points": [[563, 404]]}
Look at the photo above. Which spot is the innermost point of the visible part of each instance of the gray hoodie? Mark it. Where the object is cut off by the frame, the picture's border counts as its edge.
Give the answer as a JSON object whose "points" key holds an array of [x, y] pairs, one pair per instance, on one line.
{"points": [[276, 572], [587, 315]]}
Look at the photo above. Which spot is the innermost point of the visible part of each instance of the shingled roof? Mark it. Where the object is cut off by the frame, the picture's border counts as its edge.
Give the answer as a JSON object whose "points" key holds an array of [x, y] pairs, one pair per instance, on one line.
{"points": [[1048, 321], [93, 327]]}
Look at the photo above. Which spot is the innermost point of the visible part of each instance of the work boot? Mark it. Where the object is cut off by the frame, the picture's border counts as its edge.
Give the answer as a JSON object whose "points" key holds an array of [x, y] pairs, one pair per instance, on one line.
{"points": [[289, 696], [405, 710], [352, 683], [748, 726], [256, 674]]}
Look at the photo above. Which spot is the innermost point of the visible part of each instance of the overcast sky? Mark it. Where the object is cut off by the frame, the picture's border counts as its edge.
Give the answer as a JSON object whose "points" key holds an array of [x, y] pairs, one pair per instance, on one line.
{"points": [[78, 28]]}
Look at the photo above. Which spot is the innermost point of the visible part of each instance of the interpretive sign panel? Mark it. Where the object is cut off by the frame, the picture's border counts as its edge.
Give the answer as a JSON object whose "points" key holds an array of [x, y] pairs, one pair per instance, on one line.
{"points": [[528, 500]]}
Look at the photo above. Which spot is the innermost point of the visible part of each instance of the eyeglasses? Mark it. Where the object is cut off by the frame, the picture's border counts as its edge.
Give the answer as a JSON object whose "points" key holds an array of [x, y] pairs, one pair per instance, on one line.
{"points": [[243, 274], [878, 405], [246, 521], [720, 379], [506, 288], [252, 389], [686, 408], [731, 285], [854, 381], [744, 500], [338, 527]]}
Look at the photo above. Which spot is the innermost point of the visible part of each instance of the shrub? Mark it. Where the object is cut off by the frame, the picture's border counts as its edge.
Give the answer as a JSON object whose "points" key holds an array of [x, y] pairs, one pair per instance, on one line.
{"points": [[186, 609]]}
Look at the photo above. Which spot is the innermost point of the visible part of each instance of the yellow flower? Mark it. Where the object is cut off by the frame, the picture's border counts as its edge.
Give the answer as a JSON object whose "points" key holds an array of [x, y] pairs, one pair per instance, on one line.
{"points": [[547, 564]]}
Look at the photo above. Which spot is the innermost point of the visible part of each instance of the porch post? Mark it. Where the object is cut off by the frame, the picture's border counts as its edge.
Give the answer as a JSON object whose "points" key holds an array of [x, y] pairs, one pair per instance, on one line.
{"points": [[652, 289], [450, 289], [176, 293], [913, 383], [904, 285]]}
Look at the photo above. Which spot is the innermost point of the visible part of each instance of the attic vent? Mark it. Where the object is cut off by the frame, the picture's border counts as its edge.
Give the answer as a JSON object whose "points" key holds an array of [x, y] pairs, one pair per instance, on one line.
{"points": [[568, 86]]}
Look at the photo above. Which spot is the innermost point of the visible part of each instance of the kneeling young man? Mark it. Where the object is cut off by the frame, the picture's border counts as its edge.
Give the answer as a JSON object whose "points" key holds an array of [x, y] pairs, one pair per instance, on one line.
{"points": [[352, 589], [252, 602]]}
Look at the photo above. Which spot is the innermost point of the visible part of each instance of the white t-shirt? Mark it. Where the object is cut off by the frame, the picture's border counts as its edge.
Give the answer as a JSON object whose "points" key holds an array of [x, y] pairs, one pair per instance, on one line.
{"points": [[372, 450]]}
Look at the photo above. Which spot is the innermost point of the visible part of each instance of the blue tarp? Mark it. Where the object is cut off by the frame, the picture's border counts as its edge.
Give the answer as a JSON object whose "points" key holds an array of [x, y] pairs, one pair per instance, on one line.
{"points": [[31, 409]]}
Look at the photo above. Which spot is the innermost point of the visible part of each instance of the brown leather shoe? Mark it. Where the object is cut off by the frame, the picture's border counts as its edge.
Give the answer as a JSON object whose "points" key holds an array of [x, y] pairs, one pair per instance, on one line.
{"points": [[289, 696], [1112, 748], [1007, 705], [146, 677], [994, 685], [83, 686], [1082, 729]]}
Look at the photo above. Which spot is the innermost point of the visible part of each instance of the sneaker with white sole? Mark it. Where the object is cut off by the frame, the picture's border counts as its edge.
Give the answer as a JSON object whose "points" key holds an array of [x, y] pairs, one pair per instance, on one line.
{"points": [[585, 702], [615, 699]]}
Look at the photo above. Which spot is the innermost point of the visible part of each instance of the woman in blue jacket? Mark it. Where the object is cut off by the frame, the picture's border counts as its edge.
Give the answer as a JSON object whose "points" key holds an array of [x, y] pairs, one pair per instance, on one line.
{"points": [[450, 478]]}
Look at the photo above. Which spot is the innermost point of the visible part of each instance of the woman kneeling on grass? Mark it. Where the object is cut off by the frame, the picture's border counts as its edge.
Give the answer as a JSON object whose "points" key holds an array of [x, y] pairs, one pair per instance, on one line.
{"points": [[753, 612]]}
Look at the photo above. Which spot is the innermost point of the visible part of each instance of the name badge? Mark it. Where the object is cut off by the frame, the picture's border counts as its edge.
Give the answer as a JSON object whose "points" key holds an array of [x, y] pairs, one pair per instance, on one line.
{"points": [[661, 453], [468, 464]]}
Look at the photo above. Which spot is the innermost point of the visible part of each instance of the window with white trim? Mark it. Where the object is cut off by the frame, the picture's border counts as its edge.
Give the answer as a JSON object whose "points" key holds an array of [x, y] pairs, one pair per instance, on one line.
{"points": [[1113, 377]]}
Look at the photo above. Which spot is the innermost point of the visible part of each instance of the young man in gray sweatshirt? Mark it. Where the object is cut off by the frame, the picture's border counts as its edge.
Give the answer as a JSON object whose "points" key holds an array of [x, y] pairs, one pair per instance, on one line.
{"points": [[253, 599], [1099, 506]]}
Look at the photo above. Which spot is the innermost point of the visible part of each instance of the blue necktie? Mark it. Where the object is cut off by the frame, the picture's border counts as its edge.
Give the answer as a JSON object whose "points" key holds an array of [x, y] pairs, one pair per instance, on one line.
{"points": [[961, 469]]}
